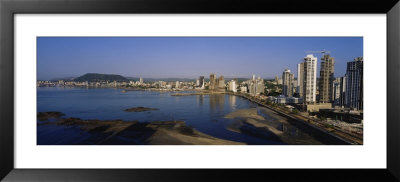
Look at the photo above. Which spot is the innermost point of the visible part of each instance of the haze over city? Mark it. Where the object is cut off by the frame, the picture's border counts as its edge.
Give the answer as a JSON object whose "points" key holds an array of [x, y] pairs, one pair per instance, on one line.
{"points": [[186, 57]]}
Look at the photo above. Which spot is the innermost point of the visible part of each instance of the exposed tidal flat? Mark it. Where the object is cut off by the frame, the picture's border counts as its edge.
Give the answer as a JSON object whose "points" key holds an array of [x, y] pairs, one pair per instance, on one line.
{"points": [[99, 116], [133, 132]]}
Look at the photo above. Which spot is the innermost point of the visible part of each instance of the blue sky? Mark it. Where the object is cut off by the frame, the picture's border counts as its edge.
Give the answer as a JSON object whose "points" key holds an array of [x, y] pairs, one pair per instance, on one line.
{"points": [[186, 57]]}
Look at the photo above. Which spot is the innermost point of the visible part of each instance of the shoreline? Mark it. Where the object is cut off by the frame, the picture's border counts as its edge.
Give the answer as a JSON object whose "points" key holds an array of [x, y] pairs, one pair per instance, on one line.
{"points": [[345, 139], [123, 88], [317, 127], [110, 132], [339, 135], [274, 127]]}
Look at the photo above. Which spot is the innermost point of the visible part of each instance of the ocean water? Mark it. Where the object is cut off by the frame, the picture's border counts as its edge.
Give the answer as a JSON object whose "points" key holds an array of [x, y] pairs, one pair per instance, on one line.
{"points": [[202, 112]]}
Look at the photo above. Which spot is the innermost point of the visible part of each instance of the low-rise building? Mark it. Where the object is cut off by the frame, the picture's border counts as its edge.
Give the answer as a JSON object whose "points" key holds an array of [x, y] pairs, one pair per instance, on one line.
{"points": [[317, 106], [243, 89], [288, 100]]}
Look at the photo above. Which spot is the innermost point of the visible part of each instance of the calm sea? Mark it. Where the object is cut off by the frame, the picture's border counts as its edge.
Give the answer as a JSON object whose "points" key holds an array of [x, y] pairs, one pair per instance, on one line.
{"points": [[202, 112]]}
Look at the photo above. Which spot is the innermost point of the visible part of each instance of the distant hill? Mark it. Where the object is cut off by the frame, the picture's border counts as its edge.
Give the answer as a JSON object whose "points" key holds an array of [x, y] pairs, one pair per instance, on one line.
{"points": [[96, 77]]}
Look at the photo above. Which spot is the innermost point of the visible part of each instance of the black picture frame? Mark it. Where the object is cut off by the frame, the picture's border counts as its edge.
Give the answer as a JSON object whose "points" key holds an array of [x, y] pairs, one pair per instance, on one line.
{"points": [[8, 8]]}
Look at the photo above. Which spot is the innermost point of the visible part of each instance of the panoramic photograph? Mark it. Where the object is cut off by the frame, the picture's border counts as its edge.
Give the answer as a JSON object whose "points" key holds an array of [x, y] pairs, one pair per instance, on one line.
{"points": [[199, 91]]}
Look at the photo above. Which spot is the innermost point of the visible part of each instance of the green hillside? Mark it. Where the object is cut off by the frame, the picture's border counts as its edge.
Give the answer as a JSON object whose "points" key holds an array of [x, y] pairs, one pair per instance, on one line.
{"points": [[96, 77]]}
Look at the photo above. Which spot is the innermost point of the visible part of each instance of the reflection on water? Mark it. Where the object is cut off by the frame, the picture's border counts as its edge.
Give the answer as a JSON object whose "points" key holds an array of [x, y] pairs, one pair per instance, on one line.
{"points": [[200, 99], [288, 129], [217, 102], [232, 101], [205, 113]]}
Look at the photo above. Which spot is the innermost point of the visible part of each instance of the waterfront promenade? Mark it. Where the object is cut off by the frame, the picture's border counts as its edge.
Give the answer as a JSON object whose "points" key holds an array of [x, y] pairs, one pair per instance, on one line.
{"points": [[334, 132]]}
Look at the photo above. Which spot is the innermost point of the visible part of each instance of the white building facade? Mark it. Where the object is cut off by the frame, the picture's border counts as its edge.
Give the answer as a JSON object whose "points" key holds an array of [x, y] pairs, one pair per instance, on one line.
{"points": [[310, 78], [232, 86], [287, 85]]}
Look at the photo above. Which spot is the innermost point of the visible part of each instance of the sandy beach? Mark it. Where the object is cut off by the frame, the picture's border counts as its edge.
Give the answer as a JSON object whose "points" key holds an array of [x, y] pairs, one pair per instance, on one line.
{"points": [[134, 132]]}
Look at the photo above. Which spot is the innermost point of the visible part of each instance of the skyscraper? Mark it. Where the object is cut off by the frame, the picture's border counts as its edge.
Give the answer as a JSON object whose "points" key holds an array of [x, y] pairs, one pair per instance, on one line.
{"points": [[300, 79], [287, 83], [310, 78], [221, 82], [252, 87], [256, 86], [354, 83], [141, 80], [326, 78], [338, 91], [260, 85], [213, 82], [201, 81]]}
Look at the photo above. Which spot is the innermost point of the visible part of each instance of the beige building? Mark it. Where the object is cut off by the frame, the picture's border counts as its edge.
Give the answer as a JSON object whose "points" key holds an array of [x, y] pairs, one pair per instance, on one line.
{"points": [[318, 106], [243, 89], [221, 82], [213, 82], [300, 79], [326, 79]]}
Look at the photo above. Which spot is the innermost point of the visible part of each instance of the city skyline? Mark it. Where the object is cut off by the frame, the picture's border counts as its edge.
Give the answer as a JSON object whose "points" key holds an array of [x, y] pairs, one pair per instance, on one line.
{"points": [[333, 103], [187, 57]]}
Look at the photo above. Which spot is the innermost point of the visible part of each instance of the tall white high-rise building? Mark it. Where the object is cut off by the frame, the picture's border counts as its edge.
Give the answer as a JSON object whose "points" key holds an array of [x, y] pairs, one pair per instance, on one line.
{"points": [[141, 80], [309, 78]]}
